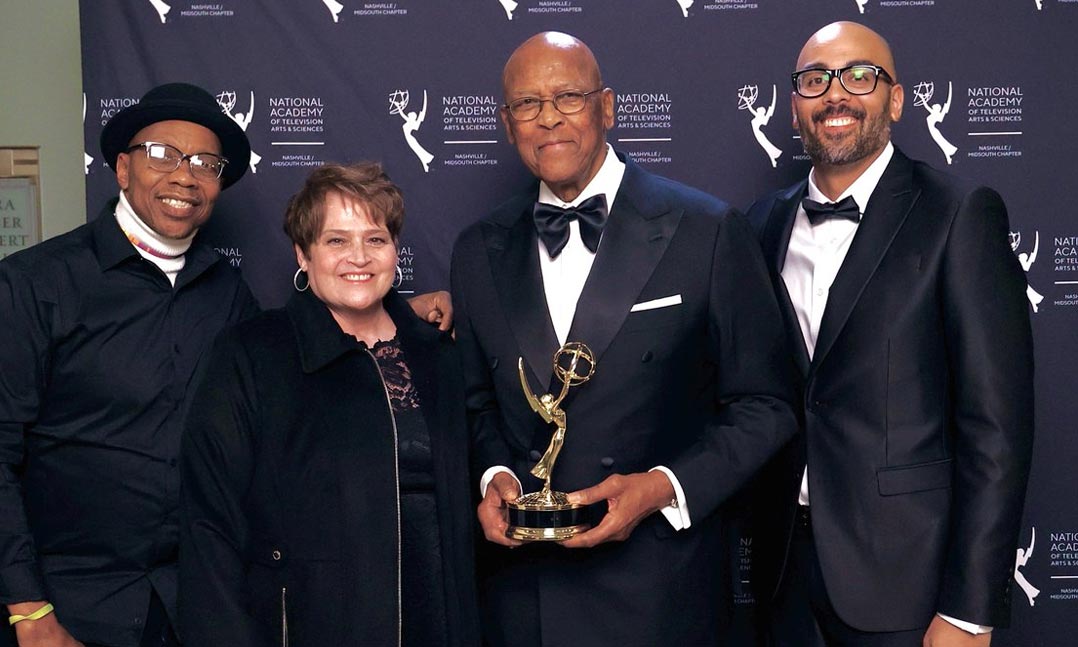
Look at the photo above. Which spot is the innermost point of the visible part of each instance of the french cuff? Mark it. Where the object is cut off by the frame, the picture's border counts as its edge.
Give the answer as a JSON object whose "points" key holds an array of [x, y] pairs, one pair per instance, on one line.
{"points": [[489, 475], [967, 627], [677, 512]]}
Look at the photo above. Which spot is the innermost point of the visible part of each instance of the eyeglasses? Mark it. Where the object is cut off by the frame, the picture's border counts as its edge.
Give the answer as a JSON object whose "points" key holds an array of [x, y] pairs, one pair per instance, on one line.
{"points": [[166, 159], [567, 103], [856, 79]]}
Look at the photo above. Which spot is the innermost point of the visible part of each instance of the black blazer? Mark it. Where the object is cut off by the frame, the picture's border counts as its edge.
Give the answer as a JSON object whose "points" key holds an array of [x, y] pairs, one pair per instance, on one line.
{"points": [[697, 387], [918, 406], [289, 491]]}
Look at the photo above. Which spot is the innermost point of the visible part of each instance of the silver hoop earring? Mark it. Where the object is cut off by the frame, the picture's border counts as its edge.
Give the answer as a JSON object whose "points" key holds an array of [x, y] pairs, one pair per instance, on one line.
{"points": [[399, 278], [295, 281]]}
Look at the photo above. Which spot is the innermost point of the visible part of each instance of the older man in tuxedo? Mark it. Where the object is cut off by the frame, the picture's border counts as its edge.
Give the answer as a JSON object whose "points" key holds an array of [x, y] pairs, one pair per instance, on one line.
{"points": [[894, 516], [690, 396]]}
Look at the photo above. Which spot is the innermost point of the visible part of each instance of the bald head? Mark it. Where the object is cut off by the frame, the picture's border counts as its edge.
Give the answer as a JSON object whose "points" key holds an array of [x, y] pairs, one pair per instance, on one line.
{"points": [[844, 131], [845, 43], [551, 51], [563, 143]]}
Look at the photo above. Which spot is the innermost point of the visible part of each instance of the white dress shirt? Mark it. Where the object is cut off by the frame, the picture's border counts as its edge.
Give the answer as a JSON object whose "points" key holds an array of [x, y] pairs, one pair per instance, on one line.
{"points": [[563, 281], [813, 259], [564, 276]]}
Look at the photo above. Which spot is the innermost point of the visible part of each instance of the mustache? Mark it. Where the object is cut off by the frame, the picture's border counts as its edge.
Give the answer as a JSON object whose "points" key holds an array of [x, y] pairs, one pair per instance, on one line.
{"points": [[838, 111]]}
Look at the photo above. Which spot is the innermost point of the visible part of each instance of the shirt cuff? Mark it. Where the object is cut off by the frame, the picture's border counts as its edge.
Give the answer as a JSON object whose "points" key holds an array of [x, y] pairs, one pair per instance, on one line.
{"points": [[21, 582], [677, 513], [489, 475], [967, 627]]}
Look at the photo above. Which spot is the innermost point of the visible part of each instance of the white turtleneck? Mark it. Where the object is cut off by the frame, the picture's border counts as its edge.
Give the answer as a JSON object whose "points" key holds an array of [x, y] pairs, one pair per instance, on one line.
{"points": [[141, 235]]}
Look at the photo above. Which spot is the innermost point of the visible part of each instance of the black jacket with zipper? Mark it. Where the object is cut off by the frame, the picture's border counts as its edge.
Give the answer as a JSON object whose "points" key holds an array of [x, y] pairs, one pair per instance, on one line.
{"points": [[290, 531]]}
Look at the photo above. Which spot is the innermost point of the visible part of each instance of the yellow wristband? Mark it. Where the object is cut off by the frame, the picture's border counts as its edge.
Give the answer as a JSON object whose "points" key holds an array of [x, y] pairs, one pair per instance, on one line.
{"points": [[36, 615]]}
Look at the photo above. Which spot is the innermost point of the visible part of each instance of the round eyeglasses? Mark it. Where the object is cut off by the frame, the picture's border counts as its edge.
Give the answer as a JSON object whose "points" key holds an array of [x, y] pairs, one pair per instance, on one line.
{"points": [[569, 102], [856, 79], [164, 158]]}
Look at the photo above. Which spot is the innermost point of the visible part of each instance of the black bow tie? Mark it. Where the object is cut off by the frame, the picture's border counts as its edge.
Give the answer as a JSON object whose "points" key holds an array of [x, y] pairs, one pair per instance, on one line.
{"points": [[817, 212], [552, 223]]}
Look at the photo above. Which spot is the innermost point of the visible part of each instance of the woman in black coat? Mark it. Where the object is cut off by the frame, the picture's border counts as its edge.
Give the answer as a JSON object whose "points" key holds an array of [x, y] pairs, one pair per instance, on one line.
{"points": [[325, 476]]}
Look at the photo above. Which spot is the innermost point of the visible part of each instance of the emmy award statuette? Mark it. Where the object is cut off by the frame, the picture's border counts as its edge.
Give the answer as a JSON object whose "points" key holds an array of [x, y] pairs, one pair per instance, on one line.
{"points": [[547, 515]]}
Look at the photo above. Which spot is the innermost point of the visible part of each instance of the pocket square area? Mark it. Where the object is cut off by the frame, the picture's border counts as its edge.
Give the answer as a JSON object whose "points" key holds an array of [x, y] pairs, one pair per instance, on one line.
{"points": [[664, 302]]}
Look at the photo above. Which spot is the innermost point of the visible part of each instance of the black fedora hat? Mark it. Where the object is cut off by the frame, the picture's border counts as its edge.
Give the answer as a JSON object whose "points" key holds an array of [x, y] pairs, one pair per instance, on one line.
{"points": [[183, 102]]}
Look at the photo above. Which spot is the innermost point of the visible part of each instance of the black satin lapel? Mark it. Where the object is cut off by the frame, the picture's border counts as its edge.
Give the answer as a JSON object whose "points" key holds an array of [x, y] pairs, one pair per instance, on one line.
{"points": [[793, 328], [780, 225], [514, 261], [887, 209], [775, 242], [631, 247]]}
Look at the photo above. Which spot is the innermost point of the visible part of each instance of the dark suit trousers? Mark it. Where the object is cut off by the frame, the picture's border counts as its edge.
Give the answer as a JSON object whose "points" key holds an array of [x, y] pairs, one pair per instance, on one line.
{"points": [[802, 615]]}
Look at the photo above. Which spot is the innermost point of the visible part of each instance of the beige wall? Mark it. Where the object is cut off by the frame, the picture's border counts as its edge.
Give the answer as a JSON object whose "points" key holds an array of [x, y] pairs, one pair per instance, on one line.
{"points": [[41, 101]]}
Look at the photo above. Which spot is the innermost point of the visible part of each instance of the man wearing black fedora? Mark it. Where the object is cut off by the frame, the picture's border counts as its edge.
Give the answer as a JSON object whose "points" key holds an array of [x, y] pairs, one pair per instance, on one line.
{"points": [[104, 327]]}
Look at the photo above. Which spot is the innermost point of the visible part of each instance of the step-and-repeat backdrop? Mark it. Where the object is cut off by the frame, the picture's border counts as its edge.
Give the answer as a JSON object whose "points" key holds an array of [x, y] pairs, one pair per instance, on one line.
{"points": [[702, 91]]}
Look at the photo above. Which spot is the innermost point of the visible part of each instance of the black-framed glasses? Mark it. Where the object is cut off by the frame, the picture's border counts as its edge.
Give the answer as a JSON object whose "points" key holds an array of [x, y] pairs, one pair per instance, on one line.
{"points": [[164, 158], [856, 79], [569, 102]]}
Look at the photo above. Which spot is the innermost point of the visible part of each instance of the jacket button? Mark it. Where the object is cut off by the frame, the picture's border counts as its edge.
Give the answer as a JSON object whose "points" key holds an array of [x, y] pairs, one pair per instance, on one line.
{"points": [[646, 357], [493, 363], [535, 454], [606, 462], [276, 555]]}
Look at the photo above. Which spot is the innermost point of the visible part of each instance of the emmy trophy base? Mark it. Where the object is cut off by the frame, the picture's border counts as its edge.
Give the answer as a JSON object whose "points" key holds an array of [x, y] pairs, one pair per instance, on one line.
{"points": [[544, 521]]}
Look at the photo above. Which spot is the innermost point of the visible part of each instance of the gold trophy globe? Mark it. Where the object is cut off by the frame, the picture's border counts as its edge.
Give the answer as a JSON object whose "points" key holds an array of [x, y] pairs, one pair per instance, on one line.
{"points": [[547, 515]]}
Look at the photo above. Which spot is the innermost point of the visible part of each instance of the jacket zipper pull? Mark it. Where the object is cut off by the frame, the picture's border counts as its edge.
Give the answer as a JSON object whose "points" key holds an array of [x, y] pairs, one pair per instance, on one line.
{"points": [[284, 616]]}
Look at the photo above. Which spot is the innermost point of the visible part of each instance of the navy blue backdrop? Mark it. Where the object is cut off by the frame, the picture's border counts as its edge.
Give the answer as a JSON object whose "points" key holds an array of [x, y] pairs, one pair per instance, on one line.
{"points": [[702, 96]]}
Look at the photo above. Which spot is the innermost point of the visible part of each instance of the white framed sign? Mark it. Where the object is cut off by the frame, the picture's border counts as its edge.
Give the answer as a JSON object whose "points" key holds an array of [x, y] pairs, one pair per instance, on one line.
{"points": [[20, 222], [20, 206]]}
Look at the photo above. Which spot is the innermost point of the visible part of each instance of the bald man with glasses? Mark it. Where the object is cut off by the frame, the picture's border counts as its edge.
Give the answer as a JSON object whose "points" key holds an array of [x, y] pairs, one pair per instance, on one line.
{"points": [[892, 519]]}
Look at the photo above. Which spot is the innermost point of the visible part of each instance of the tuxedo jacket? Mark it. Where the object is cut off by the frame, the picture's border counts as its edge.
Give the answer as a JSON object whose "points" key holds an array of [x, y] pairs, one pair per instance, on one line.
{"points": [[699, 387], [917, 406]]}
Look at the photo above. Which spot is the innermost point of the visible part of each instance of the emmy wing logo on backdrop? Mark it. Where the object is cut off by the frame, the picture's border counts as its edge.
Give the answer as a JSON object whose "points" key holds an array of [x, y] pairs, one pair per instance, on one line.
{"points": [[227, 101], [86, 158], [398, 104], [936, 114], [510, 6], [334, 9], [746, 100], [684, 4], [861, 5], [1020, 560], [1027, 260], [1039, 7], [161, 8]]}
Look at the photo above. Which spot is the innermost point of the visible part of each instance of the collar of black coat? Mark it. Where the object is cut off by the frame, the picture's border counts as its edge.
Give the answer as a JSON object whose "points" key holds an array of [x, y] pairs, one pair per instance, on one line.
{"points": [[321, 340], [112, 248]]}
